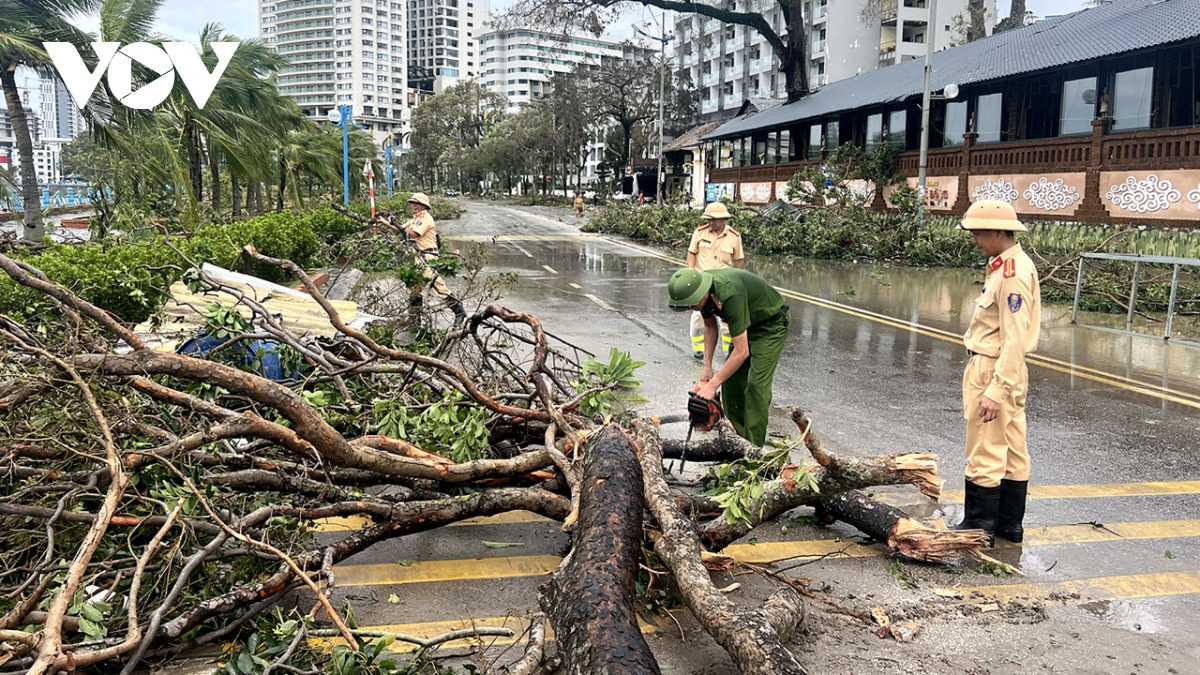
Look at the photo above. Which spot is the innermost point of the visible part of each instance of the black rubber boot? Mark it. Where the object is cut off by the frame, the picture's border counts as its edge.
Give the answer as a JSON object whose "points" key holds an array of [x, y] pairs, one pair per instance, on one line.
{"points": [[981, 508], [460, 314], [1012, 510]]}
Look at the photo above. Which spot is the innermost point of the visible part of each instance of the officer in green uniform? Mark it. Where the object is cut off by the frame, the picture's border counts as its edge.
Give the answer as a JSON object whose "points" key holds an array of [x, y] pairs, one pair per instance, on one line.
{"points": [[758, 323]]}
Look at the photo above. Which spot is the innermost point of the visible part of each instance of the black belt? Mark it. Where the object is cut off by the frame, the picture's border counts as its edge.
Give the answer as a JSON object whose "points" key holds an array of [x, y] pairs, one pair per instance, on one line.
{"points": [[971, 353], [783, 311]]}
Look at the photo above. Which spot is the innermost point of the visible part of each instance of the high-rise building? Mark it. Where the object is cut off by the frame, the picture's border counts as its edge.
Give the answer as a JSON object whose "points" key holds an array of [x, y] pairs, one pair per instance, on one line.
{"points": [[518, 63], [58, 116], [731, 64], [343, 52], [443, 41]]}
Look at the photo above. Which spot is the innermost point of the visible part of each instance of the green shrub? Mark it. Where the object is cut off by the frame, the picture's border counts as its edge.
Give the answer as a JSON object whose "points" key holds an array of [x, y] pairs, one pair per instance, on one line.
{"points": [[331, 226], [277, 235]]}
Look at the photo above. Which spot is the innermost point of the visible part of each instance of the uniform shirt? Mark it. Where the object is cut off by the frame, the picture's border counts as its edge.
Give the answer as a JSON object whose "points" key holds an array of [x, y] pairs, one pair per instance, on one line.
{"points": [[579, 202], [716, 251], [422, 224], [741, 299], [1007, 319]]}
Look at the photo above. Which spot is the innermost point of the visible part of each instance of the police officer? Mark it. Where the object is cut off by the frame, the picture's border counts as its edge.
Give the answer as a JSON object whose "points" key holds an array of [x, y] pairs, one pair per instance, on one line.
{"points": [[714, 246], [758, 321], [1004, 328], [423, 232]]}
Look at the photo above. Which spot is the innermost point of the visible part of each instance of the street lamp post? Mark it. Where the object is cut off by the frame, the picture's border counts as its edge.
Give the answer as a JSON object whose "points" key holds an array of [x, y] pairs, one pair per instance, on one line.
{"points": [[387, 157], [926, 96], [341, 116], [662, 77]]}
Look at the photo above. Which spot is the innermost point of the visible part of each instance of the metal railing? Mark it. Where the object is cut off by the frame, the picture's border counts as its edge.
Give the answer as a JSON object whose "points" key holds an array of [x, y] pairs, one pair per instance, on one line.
{"points": [[1177, 265]]}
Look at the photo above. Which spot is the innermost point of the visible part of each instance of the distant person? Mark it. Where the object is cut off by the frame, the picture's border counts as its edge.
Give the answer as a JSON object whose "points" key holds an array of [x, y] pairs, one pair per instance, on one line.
{"points": [[422, 230], [1004, 328], [714, 246], [641, 198], [579, 204], [758, 321]]}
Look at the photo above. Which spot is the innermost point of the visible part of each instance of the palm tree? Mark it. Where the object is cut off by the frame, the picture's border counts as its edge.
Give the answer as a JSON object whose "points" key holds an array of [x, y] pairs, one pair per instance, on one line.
{"points": [[24, 26]]}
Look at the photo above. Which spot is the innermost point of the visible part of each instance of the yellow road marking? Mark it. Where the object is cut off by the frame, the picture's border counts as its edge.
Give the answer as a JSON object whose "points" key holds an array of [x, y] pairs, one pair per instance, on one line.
{"points": [[598, 301], [1118, 381], [1124, 587], [549, 269], [575, 285], [517, 624], [1094, 490], [446, 570], [356, 523], [762, 552]]}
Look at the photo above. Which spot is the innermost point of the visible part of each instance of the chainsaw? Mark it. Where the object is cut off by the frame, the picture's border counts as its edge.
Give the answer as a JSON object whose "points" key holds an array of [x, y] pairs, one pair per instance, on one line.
{"points": [[703, 414]]}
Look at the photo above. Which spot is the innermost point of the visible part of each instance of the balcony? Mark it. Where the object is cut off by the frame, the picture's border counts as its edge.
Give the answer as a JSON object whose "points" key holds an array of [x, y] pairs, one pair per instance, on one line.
{"points": [[887, 54], [818, 49], [820, 80], [888, 13]]}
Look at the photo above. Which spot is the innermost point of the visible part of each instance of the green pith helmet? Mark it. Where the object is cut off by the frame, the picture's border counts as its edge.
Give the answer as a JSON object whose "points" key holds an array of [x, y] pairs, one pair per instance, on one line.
{"points": [[687, 288]]}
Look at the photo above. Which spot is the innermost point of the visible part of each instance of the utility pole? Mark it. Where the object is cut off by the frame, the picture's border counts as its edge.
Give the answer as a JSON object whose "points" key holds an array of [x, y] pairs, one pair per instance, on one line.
{"points": [[662, 87], [926, 95]]}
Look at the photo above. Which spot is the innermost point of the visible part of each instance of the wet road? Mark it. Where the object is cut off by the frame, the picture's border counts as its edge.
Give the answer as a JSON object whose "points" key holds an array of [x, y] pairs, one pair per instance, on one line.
{"points": [[1113, 423]]}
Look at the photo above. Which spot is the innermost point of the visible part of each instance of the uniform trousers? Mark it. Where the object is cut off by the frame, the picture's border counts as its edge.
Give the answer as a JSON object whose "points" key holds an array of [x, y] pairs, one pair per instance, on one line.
{"points": [[698, 333], [996, 449], [746, 395]]}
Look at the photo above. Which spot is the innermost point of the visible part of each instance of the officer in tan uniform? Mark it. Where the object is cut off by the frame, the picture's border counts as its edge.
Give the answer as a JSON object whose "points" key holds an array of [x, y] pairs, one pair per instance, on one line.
{"points": [[1004, 328], [714, 246], [423, 232]]}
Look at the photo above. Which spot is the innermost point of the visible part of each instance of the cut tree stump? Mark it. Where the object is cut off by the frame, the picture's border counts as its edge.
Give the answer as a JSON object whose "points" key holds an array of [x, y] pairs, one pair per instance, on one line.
{"points": [[589, 598]]}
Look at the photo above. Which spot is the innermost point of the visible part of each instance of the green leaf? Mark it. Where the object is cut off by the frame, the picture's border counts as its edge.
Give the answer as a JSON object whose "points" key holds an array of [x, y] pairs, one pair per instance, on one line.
{"points": [[501, 544], [405, 563], [91, 613], [245, 663], [393, 598]]}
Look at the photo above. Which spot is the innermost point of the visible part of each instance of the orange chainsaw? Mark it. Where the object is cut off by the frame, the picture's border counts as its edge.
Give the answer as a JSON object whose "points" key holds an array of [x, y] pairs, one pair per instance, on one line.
{"points": [[703, 414]]}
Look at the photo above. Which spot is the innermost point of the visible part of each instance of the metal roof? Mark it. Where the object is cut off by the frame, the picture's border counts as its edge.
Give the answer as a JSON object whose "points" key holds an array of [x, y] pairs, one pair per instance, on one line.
{"points": [[1105, 30]]}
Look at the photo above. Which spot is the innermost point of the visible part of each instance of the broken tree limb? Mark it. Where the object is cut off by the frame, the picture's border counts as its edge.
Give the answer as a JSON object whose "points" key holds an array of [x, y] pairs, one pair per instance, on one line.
{"points": [[753, 639], [725, 446], [900, 533], [589, 598], [833, 474]]}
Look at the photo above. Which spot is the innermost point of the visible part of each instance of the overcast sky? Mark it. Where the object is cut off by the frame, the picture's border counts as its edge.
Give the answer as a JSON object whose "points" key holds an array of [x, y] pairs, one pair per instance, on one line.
{"points": [[184, 18]]}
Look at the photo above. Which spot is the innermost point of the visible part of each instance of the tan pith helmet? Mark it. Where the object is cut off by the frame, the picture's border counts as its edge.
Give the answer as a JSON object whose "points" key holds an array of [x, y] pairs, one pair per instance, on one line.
{"points": [[420, 198], [992, 214], [715, 211]]}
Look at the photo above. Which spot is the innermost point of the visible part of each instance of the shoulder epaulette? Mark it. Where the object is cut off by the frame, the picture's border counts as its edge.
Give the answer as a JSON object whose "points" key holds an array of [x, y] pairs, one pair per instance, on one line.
{"points": [[702, 227], [733, 230], [1010, 268]]}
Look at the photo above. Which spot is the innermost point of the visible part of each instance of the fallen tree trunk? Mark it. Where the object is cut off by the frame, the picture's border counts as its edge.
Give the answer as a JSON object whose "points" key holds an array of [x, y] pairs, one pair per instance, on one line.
{"points": [[589, 598], [900, 533], [726, 446], [754, 639]]}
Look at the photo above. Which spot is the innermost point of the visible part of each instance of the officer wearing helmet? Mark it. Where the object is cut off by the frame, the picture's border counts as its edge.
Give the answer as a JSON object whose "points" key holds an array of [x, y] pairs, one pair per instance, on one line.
{"points": [[423, 232], [1004, 328], [758, 322], [714, 246]]}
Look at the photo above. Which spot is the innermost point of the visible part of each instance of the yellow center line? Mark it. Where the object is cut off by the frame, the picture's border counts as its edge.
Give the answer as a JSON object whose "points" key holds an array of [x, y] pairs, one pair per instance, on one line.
{"points": [[549, 269], [383, 574], [1111, 379], [356, 523], [1123, 587], [517, 624], [1095, 490]]}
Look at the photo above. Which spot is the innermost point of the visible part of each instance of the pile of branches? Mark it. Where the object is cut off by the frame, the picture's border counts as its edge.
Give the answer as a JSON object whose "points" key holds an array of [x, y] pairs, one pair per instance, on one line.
{"points": [[154, 502]]}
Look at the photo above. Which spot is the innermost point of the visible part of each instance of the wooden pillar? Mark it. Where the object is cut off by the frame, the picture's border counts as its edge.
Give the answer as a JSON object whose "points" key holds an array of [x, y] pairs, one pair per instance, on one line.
{"points": [[1092, 207], [963, 201]]}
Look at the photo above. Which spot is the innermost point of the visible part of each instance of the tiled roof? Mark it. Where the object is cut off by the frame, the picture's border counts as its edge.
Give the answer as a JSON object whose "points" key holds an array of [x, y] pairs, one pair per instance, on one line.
{"points": [[1118, 27]]}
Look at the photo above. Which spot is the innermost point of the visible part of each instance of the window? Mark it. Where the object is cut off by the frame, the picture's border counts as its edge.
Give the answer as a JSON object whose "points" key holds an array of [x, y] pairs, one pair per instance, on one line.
{"points": [[874, 131], [988, 112], [832, 136], [1078, 107], [785, 145], [897, 132], [814, 141], [1131, 99], [956, 124]]}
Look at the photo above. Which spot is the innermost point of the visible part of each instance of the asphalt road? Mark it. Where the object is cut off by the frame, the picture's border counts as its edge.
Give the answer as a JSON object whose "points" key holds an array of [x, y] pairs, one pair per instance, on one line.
{"points": [[873, 355]]}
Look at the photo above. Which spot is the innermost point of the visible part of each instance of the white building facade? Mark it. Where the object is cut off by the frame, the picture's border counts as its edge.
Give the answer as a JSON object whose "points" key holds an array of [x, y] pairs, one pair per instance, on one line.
{"points": [[731, 64], [444, 41], [518, 64]]}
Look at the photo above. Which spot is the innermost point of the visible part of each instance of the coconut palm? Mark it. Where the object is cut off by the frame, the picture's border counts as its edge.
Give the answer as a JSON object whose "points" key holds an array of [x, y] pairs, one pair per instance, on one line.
{"points": [[24, 26]]}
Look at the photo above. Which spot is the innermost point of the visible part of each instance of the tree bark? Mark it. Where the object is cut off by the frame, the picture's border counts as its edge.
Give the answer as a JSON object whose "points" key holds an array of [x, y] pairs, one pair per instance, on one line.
{"points": [[31, 197], [1016, 14], [214, 170], [282, 181], [589, 598], [754, 639], [977, 29], [900, 533], [191, 139], [236, 190]]}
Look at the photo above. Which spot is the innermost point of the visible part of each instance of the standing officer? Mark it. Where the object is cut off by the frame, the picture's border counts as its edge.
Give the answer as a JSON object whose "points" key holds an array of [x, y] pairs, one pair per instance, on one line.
{"points": [[578, 205], [423, 232], [757, 319], [1004, 328], [714, 246]]}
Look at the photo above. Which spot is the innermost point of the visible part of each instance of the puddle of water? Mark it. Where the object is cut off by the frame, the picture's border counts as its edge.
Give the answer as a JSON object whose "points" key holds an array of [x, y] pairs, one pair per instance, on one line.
{"points": [[1139, 616]]}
